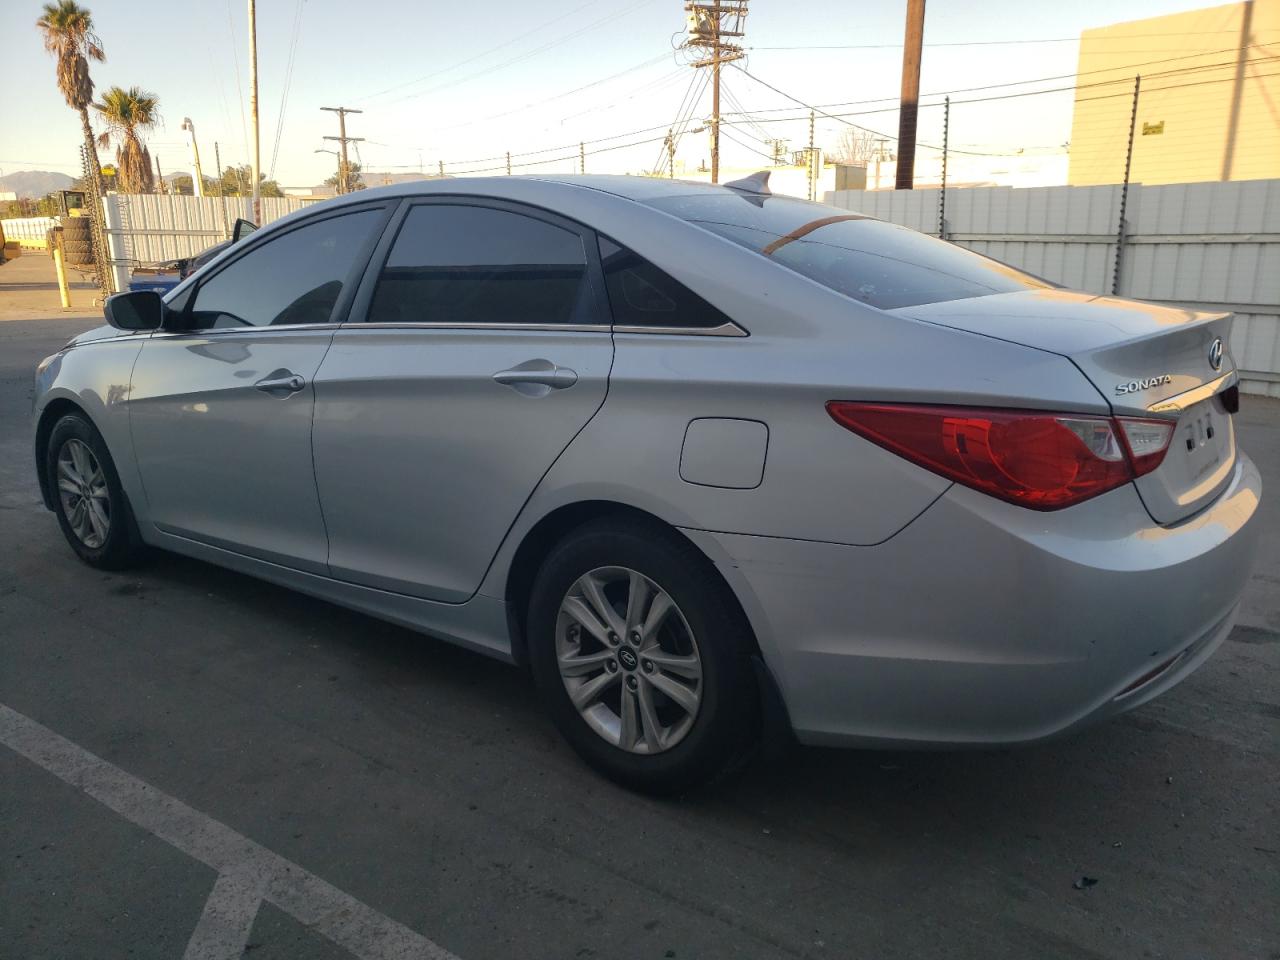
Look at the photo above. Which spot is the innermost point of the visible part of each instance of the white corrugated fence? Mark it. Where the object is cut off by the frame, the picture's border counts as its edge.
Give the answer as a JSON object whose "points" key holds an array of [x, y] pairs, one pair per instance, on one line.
{"points": [[1210, 246], [148, 228]]}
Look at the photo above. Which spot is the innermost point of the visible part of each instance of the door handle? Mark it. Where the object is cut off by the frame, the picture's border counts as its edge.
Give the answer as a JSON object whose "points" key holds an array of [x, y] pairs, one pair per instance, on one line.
{"points": [[537, 377], [291, 383]]}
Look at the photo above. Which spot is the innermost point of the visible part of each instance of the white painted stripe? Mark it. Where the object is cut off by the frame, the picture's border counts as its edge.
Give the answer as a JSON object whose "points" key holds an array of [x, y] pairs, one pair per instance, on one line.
{"points": [[304, 896], [224, 927]]}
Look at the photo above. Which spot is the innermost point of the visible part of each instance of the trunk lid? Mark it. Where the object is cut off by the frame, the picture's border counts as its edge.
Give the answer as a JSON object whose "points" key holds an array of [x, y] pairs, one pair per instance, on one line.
{"points": [[1147, 360]]}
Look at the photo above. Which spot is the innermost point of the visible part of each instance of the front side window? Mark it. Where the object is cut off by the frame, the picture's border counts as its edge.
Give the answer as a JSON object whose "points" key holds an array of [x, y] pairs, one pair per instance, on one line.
{"points": [[462, 265], [641, 295], [878, 263], [295, 278]]}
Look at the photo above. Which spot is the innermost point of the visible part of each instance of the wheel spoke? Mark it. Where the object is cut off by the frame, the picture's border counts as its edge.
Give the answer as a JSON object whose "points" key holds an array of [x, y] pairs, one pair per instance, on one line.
{"points": [[583, 614], [649, 717], [577, 665], [68, 470], [681, 695], [587, 694], [77, 451], [658, 611], [630, 730], [638, 594], [69, 486], [79, 519], [98, 518], [688, 667], [591, 589]]}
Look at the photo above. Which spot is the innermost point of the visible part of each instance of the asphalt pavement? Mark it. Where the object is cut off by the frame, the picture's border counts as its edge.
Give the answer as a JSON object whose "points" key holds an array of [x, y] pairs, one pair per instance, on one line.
{"points": [[189, 756]]}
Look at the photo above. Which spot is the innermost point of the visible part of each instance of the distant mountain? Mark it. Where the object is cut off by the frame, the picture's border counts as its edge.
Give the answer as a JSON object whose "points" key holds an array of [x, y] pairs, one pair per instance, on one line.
{"points": [[35, 183]]}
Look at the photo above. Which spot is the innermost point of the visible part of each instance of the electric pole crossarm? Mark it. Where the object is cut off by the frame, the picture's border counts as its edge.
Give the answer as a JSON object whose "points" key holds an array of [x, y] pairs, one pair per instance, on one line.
{"points": [[344, 168]]}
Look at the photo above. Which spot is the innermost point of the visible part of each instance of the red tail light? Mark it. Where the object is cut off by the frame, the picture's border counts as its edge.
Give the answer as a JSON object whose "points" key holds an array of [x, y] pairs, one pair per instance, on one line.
{"points": [[1040, 460]]}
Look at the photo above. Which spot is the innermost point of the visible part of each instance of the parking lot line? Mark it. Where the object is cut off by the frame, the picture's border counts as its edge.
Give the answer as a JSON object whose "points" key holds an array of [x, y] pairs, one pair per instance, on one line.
{"points": [[248, 873]]}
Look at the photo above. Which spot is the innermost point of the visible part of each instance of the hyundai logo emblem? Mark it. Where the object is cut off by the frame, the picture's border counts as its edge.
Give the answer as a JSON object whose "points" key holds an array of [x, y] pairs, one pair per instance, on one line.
{"points": [[1215, 354]]}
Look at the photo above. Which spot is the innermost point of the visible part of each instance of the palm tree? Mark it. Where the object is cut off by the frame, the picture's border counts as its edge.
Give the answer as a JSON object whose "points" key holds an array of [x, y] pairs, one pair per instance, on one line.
{"points": [[125, 113], [68, 35]]}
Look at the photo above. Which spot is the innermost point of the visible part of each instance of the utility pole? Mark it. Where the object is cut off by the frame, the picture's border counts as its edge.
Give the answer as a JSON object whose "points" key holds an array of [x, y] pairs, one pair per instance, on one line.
{"points": [[197, 183], [253, 111], [909, 109], [217, 158], [159, 175], [508, 163], [344, 170], [671, 155], [709, 23], [442, 168], [879, 156], [582, 158]]}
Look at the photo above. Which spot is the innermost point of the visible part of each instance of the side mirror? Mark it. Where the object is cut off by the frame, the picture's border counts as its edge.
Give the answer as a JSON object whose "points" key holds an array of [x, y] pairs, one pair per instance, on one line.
{"points": [[139, 310], [242, 228]]}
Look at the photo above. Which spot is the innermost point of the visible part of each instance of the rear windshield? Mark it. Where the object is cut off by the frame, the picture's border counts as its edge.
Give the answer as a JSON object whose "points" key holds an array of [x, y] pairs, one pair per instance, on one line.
{"points": [[878, 263]]}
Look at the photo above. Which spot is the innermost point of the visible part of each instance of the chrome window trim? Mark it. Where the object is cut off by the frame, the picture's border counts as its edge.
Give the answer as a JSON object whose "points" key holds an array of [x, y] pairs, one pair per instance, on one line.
{"points": [[437, 325], [729, 329], [1193, 396], [724, 330], [249, 328]]}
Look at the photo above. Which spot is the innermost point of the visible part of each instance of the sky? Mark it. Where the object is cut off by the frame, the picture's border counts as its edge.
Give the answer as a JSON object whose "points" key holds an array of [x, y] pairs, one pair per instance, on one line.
{"points": [[464, 83]]}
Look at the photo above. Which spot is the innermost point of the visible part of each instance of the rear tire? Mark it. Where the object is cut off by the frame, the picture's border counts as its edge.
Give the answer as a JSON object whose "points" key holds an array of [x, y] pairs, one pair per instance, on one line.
{"points": [[682, 656], [91, 505]]}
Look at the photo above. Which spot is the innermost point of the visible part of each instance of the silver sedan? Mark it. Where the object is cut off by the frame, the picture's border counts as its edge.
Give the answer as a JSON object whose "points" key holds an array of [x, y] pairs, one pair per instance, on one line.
{"points": [[703, 458]]}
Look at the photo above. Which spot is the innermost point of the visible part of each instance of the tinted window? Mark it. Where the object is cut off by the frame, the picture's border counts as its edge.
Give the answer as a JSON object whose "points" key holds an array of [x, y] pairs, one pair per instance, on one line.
{"points": [[462, 264], [295, 278], [878, 263], [642, 295]]}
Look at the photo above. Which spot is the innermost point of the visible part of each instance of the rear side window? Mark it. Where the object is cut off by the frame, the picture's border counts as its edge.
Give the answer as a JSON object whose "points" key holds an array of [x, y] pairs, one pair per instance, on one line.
{"points": [[878, 263], [467, 265], [641, 295], [295, 278]]}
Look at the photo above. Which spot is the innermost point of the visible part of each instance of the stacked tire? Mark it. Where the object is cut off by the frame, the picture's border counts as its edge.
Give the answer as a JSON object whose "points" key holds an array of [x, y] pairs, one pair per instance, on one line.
{"points": [[77, 240]]}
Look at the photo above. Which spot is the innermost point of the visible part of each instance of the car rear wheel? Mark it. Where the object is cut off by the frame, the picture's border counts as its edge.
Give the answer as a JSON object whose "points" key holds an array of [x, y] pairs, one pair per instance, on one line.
{"points": [[643, 657], [90, 503]]}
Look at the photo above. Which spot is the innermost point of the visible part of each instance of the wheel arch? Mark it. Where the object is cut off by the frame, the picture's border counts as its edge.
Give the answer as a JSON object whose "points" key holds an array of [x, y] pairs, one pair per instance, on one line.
{"points": [[555, 526], [54, 410]]}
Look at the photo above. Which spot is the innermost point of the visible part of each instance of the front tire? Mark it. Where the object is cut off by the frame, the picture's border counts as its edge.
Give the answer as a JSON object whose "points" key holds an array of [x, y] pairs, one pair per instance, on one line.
{"points": [[642, 657], [92, 509]]}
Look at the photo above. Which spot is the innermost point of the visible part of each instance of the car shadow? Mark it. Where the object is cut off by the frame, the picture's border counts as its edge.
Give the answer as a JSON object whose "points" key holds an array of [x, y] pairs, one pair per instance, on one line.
{"points": [[861, 801]]}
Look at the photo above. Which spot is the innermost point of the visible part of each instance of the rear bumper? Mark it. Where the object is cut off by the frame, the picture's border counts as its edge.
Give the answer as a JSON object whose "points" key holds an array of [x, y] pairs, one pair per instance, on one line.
{"points": [[985, 623]]}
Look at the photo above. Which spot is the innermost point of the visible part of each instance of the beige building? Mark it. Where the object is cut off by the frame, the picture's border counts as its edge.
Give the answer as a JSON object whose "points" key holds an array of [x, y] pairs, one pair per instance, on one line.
{"points": [[1209, 100]]}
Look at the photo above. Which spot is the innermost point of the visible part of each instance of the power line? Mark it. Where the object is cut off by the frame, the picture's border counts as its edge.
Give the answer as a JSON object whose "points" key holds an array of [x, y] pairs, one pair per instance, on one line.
{"points": [[1017, 83], [999, 43], [478, 56], [284, 94], [525, 56]]}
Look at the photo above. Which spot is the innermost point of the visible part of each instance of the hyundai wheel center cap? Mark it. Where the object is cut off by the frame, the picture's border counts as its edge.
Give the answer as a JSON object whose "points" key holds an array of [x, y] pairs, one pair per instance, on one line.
{"points": [[627, 657]]}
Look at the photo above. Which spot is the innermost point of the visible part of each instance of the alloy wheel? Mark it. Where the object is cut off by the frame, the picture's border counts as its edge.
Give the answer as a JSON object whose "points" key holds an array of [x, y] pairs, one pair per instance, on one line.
{"points": [[83, 493], [628, 660]]}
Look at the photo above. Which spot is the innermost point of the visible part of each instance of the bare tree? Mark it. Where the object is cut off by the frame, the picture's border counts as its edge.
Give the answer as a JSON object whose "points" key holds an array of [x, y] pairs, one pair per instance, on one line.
{"points": [[855, 146]]}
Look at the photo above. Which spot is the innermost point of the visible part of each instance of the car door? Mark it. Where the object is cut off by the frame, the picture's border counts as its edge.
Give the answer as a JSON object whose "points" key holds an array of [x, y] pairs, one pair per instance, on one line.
{"points": [[220, 402], [473, 357]]}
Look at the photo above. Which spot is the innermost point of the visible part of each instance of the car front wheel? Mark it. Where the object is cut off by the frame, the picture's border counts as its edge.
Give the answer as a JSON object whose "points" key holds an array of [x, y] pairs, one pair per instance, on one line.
{"points": [[92, 509], [643, 657]]}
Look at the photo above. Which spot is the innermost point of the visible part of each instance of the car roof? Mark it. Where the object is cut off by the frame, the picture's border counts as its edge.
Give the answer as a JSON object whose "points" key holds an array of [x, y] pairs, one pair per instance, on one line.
{"points": [[638, 188]]}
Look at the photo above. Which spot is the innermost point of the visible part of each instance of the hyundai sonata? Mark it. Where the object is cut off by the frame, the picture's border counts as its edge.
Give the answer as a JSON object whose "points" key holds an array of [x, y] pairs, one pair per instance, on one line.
{"points": [[696, 455]]}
